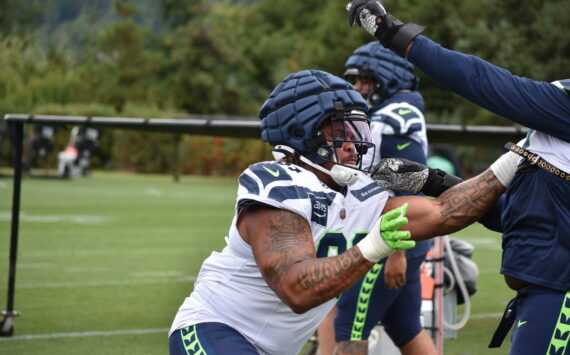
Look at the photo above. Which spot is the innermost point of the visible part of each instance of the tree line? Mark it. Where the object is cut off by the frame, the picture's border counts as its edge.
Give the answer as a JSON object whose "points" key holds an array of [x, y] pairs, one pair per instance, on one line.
{"points": [[224, 57]]}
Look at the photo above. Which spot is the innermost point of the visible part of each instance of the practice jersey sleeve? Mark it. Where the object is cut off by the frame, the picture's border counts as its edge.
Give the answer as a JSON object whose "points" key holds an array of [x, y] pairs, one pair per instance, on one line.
{"points": [[270, 183], [538, 105], [399, 119], [287, 187], [396, 128]]}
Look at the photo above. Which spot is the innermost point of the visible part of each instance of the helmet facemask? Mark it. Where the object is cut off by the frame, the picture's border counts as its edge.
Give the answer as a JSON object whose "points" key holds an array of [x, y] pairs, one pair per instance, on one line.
{"points": [[293, 116], [392, 72], [332, 133], [352, 129], [375, 94]]}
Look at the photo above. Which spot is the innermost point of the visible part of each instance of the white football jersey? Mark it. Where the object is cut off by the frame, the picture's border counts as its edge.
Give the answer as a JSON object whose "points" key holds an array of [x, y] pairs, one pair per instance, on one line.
{"points": [[230, 288], [396, 119], [553, 150]]}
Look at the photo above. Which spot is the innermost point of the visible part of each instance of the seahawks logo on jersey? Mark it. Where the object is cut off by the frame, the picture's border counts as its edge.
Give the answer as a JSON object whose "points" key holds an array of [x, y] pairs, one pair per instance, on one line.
{"points": [[287, 184], [399, 119]]}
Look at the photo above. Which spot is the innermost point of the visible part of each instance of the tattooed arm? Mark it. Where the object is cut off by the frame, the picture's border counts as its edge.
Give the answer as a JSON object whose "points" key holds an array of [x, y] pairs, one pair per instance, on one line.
{"points": [[453, 210], [283, 248]]}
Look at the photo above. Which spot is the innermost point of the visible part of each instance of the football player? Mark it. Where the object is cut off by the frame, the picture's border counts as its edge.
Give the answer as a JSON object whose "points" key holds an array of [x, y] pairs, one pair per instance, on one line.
{"points": [[271, 286], [397, 128], [535, 210]]}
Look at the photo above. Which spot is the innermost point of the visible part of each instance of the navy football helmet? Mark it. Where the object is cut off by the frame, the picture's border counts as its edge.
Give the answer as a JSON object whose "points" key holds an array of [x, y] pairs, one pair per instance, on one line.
{"points": [[391, 72], [293, 116]]}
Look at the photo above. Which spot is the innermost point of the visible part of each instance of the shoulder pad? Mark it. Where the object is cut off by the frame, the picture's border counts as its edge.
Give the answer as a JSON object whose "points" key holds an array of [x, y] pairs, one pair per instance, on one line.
{"points": [[258, 176], [268, 172], [403, 118], [287, 187]]}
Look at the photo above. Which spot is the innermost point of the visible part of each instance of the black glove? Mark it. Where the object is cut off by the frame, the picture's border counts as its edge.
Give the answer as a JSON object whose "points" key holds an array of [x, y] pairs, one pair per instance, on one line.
{"points": [[405, 175], [391, 32]]}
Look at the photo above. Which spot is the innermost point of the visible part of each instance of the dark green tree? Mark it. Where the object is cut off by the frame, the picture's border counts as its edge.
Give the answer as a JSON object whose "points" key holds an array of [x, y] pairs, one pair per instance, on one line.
{"points": [[120, 68], [19, 16]]}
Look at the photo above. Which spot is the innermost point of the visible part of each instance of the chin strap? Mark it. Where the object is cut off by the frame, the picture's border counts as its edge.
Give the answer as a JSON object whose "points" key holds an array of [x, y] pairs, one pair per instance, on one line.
{"points": [[342, 175]]}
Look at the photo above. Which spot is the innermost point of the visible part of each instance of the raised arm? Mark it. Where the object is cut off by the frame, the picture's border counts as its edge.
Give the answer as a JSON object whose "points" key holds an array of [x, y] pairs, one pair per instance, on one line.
{"points": [[538, 105], [458, 203], [283, 248], [535, 104], [453, 210]]}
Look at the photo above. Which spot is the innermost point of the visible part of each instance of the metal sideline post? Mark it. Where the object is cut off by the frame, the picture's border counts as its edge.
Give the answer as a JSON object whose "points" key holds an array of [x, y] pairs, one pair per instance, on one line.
{"points": [[438, 244], [205, 125], [17, 140], [177, 139]]}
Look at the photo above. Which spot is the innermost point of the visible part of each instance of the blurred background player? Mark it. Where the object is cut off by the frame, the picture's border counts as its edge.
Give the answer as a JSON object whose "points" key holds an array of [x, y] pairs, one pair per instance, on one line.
{"points": [[75, 160], [273, 284], [397, 128], [535, 210], [40, 144]]}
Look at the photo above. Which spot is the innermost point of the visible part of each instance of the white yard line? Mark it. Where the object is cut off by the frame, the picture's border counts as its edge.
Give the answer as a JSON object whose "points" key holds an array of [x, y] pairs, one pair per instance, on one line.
{"points": [[154, 192], [86, 334], [80, 219], [486, 315], [146, 331], [102, 283], [107, 252]]}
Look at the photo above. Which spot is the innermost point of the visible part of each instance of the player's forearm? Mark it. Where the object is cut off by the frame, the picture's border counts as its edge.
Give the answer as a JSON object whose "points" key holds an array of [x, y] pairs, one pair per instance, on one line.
{"points": [[534, 104], [315, 281], [465, 203]]}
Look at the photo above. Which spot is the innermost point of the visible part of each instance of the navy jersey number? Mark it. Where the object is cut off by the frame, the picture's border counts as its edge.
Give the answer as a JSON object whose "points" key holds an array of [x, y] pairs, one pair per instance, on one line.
{"points": [[335, 243]]}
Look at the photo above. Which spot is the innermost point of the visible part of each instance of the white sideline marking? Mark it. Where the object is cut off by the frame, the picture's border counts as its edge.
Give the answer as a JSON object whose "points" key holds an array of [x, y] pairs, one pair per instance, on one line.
{"points": [[85, 334], [102, 283], [87, 269], [157, 273], [35, 265], [24, 217], [3, 185], [490, 271], [146, 331], [483, 242], [154, 192], [486, 315], [107, 252]]}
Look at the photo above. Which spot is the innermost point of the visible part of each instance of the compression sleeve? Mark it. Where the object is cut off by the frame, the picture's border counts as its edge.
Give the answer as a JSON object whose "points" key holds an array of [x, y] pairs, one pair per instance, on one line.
{"points": [[534, 104]]}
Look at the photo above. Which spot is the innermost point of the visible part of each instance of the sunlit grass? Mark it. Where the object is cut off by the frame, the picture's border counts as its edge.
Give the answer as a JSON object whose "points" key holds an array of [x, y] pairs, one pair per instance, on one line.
{"points": [[119, 252]]}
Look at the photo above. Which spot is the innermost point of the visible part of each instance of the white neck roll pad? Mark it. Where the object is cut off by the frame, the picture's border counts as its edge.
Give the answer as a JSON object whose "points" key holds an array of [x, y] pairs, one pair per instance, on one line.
{"points": [[342, 175]]}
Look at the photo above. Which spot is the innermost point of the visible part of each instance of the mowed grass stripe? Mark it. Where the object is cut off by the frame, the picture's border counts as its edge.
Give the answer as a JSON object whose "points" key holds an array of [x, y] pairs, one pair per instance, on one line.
{"points": [[132, 269], [102, 283], [85, 334]]}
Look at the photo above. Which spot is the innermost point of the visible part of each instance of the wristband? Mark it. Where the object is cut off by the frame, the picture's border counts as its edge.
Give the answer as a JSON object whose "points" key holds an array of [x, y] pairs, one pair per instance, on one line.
{"points": [[438, 181], [373, 247]]}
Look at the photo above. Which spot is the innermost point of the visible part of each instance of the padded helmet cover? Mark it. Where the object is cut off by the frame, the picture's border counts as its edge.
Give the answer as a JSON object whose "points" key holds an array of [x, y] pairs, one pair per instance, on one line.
{"points": [[300, 103], [392, 72]]}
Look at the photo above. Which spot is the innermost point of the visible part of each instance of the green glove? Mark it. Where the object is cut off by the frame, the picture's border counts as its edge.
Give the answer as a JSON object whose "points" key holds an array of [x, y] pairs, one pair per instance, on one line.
{"points": [[391, 221], [385, 238]]}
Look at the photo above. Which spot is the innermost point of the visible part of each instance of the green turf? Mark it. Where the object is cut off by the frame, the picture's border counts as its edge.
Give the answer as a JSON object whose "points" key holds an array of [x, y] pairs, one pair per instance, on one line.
{"points": [[116, 253]]}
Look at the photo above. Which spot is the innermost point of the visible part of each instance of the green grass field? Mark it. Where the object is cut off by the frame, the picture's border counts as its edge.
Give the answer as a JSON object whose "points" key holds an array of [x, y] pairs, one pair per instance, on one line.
{"points": [[105, 262]]}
